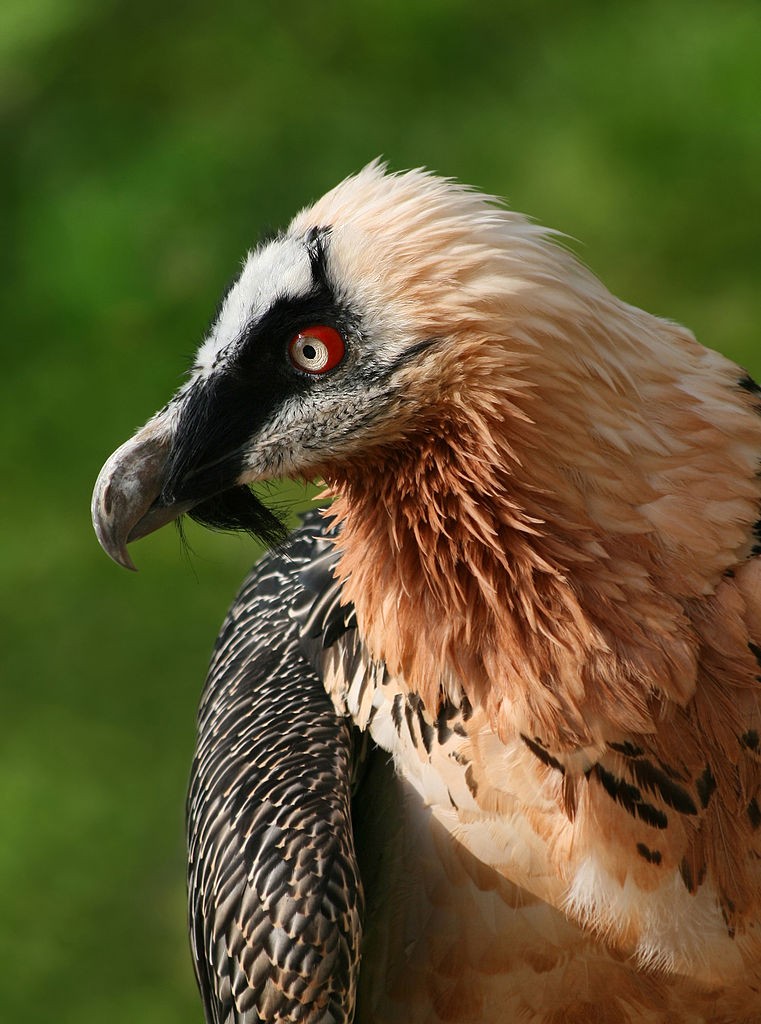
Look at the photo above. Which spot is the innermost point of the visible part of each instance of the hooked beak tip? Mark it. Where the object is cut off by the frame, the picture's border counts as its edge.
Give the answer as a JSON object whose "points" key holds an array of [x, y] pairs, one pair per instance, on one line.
{"points": [[107, 529], [124, 494]]}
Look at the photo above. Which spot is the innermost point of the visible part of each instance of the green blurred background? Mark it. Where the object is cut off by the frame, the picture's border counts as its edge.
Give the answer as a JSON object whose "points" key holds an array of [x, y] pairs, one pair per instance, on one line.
{"points": [[145, 146]]}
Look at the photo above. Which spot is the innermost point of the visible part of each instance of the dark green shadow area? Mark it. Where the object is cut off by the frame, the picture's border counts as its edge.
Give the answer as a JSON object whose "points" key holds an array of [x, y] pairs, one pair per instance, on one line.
{"points": [[145, 147]]}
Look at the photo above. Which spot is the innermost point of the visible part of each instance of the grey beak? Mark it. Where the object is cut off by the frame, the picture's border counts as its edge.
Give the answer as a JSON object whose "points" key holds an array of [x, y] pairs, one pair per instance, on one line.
{"points": [[124, 501]]}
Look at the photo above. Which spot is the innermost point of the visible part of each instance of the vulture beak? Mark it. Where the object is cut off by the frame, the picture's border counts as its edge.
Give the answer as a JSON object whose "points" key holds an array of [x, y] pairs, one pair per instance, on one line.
{"points": [[175, 465], [126, 502]]}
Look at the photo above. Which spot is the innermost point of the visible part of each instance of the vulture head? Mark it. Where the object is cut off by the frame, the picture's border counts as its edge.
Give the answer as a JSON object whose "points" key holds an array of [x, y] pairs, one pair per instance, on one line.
{"points": [[342, 336]]}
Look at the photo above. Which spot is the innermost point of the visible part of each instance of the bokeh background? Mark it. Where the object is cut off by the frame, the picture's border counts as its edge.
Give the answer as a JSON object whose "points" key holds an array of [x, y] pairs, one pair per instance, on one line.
{"points": [[144, 147]]}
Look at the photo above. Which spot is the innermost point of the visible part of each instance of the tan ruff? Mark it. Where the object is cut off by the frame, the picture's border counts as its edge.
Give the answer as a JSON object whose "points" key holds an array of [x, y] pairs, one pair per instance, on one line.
{"points": [[540, 511], [467, 575]]}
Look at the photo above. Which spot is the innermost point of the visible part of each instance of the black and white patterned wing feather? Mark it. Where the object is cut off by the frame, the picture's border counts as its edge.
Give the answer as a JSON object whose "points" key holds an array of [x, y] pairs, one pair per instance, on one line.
{"points": [[275, 897]]}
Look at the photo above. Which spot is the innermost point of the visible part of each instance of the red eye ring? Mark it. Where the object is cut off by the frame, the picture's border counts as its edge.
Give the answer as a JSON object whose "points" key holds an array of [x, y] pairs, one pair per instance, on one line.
{"points": [[316, 350]]}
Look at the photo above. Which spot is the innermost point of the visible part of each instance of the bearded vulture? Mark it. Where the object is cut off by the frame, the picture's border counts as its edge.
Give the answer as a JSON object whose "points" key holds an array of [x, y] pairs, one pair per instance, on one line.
{"points": [[480, 740]]}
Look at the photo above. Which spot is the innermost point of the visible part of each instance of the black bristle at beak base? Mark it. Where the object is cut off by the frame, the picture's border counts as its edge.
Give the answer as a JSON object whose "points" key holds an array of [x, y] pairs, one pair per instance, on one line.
{"points": [[240, 509]]}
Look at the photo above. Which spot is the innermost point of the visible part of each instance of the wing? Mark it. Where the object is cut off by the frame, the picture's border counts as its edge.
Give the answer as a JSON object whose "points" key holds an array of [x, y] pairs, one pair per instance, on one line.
{"points": [[275, 898]]}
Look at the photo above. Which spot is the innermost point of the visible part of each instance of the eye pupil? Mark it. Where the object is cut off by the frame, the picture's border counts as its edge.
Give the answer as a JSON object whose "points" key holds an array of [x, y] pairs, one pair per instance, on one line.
{"points": [[309, 352]]}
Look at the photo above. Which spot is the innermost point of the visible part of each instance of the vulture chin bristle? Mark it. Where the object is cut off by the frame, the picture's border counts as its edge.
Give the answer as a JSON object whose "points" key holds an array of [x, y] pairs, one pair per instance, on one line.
{"points": [[240, 509]]}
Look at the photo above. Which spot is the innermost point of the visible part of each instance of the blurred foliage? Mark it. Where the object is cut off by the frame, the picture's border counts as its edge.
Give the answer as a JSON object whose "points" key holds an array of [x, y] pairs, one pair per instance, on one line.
{"points": [[145, 146]]}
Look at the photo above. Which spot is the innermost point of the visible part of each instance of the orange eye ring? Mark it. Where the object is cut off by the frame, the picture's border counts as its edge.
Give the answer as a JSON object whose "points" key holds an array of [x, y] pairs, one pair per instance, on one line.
{"points": [[316, 350]]}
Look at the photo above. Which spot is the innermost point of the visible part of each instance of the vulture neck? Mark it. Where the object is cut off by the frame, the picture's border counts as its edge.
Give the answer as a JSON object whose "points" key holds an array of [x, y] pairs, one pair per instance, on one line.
{"points": [[469, 580]]}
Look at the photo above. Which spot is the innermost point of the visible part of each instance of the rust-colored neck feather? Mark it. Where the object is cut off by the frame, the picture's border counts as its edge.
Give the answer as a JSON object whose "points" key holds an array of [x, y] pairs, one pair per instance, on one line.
{"points": [[465, 581], [520, 518], [484, 559]]}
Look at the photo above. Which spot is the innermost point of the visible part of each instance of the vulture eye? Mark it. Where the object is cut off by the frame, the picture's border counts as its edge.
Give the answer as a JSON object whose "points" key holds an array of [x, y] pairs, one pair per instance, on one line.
{"points": [[316, 349]]}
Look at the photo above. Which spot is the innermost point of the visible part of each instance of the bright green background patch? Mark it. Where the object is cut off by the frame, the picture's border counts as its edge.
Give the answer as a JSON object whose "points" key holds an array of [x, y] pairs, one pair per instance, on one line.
{"points": [[145, 146]]}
